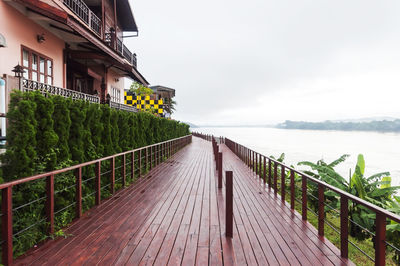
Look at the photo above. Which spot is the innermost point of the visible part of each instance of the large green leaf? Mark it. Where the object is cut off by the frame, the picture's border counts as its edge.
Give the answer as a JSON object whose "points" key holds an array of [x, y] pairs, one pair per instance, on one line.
{"points": [[386, 182], [356, 179], [338, 161], [384, 191], [378, 175]]}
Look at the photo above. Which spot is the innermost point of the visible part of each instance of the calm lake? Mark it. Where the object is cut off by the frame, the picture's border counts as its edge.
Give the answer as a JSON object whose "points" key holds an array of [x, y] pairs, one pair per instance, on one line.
{"points": [[381, 150]]}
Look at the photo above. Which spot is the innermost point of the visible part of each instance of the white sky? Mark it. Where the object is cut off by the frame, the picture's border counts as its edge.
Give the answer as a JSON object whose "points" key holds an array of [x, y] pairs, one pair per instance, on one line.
{"points": [[262, 61]]}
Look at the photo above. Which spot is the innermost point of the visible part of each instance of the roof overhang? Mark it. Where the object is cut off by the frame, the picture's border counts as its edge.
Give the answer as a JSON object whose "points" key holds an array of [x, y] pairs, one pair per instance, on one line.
{"points": [[158, 89], [125, 16]]}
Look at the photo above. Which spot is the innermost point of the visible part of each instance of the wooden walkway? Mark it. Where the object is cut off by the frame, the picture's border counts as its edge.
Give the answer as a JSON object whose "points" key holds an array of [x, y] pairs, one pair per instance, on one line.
{"points": [[175, 215]]}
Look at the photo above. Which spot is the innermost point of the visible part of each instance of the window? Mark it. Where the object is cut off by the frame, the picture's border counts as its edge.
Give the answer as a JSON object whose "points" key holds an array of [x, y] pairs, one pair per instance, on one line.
{"points": [[115, 95], [37, 66]]}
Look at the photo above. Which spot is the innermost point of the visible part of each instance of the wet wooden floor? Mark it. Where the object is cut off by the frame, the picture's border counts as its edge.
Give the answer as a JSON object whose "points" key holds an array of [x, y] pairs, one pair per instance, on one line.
{"points": [[175, 215]]}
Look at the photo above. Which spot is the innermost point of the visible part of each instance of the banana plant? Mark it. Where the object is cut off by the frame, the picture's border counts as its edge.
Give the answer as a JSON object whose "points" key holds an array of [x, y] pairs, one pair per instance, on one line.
{"points": [[393, 228], [376, 189], [326, 173]]}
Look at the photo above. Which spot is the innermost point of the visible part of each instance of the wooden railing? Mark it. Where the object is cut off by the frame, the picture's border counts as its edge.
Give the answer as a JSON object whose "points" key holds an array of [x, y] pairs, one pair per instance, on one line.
{"points": [[30, 85], [139, 160], [260, 164], [85, 14], [116, 43]]}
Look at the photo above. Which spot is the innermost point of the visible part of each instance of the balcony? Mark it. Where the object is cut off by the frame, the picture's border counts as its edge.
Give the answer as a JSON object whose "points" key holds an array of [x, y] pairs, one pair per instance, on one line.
{"points": [[116, 43], [79, 8], [30, 85], [46, 89], [85, 14]]}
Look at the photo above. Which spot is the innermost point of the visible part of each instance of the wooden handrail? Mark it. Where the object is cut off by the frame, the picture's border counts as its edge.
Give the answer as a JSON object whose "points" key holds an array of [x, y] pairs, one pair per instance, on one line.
{"points": [[247, 155], [250, 158], [169, 147]]}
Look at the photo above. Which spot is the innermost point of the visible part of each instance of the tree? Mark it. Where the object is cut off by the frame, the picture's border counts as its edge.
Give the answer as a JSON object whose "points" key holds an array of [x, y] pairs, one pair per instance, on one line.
{"points": [[140, 89], [169, 105]]}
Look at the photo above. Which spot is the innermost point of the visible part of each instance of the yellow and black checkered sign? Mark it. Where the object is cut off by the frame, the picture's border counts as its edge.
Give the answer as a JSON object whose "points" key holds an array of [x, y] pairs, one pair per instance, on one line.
{"points": [[143, 102]]}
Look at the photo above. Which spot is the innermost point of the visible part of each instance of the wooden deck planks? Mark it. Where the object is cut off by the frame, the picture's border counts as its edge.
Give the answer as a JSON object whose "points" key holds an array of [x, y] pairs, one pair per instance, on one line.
{"points": [[176, 215]]}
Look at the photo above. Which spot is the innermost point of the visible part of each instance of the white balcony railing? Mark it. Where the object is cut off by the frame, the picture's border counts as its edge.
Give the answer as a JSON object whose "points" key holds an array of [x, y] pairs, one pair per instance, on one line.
{"points": [[85, 14], [30, 85]]}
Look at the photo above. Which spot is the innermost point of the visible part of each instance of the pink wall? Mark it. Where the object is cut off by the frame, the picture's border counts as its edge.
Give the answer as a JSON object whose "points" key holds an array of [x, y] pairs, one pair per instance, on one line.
{"points": [[19, 30], [117, 81]]}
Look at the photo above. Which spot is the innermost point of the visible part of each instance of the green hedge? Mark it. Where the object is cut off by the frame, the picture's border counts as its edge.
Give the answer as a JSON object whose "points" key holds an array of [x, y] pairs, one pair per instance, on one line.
{"points": [[46, 133]]}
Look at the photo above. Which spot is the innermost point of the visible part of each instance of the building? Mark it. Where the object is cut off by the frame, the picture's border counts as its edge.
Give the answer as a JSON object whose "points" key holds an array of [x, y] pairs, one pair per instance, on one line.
{"points": [[160, 101], [166, 94], [69, 47]]}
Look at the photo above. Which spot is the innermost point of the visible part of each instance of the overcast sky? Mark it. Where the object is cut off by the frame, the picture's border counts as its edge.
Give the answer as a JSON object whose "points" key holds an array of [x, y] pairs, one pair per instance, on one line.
{"points": [[262, 61]]}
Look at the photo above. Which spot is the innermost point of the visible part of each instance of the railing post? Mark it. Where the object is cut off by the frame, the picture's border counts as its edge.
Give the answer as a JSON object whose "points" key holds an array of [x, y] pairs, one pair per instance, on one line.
{"points": [[269, 173], [275, 178], [216, 158], [50, 202], [248, 158], [265, 170], [229, 204], [112, 175], [155, 156], [98, 183], [304, 198], [123, 170], [219, 170], [140, 163], [78, 192], [147, 159], [283, 175], [321, 210], [158, 153], [133, 166], [344, 226], [380, 239], [292, 192], [151, 157], [7, 226], [254, 161]]}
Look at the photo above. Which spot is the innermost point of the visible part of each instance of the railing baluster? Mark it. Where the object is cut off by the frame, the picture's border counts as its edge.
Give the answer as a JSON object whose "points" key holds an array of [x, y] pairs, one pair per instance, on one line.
{"points": [[304, 198], [50, 202], [98, 183], [156, 148], [7, 226], [253, 161], [344, 226], [132, 166], [380, 239], [265, 170], [147, 159], [229, 204], [321, 210], [269, 173], [140, 163], [275, 178], [124, 170], [283, 175], [292, 189], [78, 192], [112, 175], [219, 169]]}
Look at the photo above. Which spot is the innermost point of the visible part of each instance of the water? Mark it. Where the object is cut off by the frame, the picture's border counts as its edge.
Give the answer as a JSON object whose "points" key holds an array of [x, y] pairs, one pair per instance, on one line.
{"points": [[381, 150]]}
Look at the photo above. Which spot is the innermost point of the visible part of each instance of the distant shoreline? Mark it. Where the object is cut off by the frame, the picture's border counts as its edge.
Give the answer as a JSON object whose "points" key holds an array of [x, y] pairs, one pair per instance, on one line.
{"points": [[373, 126]]}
